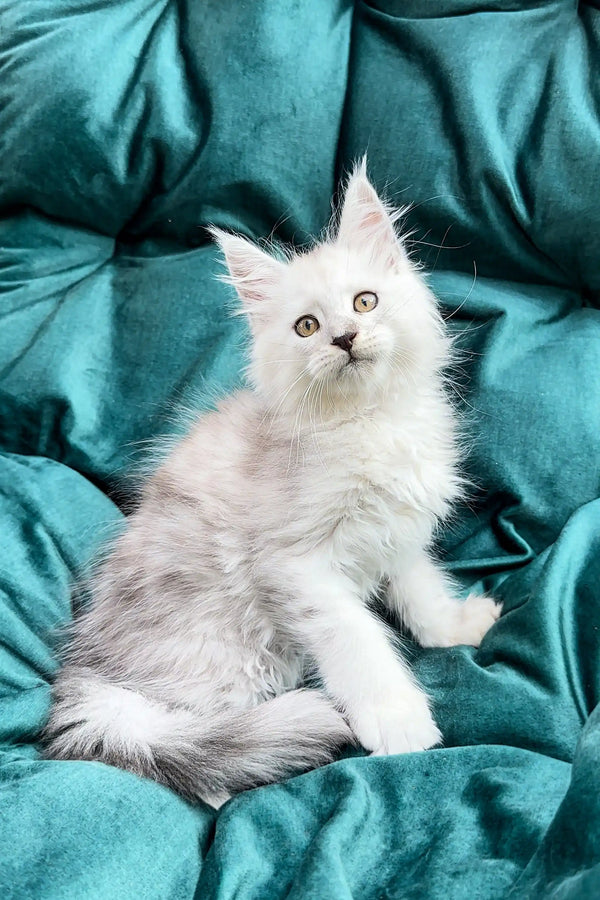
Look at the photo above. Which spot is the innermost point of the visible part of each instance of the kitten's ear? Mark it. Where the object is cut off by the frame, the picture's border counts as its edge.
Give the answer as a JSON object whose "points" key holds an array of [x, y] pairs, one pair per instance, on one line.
{"points": [[365, 222], [252, 272]]}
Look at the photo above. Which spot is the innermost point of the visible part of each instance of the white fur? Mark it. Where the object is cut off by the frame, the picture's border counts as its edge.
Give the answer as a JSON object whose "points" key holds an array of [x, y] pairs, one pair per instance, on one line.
{"points": [[263, 535]]}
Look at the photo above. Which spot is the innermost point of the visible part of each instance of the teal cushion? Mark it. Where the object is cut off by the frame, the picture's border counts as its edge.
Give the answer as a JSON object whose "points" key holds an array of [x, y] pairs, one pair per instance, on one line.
{"points": [[484, 115], [128, 127]]}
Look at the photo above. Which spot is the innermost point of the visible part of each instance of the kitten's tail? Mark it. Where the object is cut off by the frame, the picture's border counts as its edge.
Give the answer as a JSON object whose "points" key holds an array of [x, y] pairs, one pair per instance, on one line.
{"points": [[204, 756]]}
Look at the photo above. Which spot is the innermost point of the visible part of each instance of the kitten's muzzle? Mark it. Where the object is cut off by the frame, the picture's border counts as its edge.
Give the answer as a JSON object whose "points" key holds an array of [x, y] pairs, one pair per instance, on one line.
{"points": [[345, 341]]}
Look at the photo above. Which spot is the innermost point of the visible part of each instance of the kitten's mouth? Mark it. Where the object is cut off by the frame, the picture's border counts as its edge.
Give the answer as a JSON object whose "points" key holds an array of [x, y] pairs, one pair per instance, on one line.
{"points": [[357, 362], [352, 367]]}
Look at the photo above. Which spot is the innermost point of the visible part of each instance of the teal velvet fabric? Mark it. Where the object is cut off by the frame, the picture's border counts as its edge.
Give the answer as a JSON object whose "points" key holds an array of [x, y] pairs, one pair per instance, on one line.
{"points": [[127, 127]]}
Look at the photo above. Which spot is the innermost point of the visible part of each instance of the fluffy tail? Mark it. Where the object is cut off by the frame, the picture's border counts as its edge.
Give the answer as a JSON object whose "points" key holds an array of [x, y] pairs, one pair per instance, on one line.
{"points": [[204, 756]]}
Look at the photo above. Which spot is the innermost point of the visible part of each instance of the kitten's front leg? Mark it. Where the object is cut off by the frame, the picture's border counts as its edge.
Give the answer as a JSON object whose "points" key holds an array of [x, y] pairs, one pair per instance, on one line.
{"points": [[422, 597], [387, 710]]}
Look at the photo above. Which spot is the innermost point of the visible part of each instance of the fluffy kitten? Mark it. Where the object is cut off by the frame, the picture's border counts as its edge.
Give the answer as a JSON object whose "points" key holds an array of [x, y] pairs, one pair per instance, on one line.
{"points": [[261, 537]]}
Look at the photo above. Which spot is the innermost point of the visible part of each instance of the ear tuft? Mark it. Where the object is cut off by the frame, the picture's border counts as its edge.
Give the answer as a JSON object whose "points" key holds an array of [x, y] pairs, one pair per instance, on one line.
{"points": [[366, 222], [252, 272]]}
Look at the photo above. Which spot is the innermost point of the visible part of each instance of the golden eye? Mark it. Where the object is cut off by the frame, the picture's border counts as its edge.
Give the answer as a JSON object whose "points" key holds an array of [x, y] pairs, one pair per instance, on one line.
{"points": [[306, 325], [365, 301]]}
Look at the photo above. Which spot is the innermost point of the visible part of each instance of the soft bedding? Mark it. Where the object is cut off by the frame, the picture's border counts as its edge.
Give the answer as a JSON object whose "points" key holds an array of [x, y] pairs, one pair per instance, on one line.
{"points": [[125, 128]]}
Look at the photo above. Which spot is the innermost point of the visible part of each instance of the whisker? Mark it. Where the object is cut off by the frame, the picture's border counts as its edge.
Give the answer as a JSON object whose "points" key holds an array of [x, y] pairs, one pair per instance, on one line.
{"points": [[468, 295], [297, 421], [273, 409]]}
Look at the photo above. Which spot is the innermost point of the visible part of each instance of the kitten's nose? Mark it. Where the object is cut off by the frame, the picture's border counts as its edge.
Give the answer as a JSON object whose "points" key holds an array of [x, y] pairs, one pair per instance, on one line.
{"points": [[345, 340]]}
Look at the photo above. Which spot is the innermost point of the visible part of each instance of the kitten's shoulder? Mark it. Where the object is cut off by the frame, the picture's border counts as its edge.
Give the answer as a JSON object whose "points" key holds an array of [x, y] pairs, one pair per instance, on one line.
{"points": [[235, 418], [214, 449]]}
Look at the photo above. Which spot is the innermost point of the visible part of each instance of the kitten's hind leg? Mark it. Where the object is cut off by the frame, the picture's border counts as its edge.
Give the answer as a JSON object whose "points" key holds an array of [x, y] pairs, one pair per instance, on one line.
{"points": [[424, 599]]}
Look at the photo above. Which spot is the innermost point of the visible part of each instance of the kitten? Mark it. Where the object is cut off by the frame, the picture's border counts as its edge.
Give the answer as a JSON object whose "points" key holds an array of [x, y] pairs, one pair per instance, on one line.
{"points": [[262, 536]]}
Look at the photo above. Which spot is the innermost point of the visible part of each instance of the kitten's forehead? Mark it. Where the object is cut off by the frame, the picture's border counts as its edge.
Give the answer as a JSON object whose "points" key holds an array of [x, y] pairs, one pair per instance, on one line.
{"points": [[326, 272], [318, 262]]}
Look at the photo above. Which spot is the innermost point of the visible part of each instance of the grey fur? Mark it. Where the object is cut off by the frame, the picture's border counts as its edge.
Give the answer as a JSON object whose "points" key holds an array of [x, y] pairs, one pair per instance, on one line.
{"points": [[218, 754]]}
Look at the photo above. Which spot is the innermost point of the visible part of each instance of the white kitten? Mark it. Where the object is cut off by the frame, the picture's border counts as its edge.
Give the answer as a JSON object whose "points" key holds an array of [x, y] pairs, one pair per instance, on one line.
{"points": [[262, 536]]}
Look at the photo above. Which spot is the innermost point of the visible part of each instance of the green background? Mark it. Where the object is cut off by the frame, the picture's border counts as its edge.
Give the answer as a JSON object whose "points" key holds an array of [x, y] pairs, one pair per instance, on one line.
{"points": [[124, 129]]}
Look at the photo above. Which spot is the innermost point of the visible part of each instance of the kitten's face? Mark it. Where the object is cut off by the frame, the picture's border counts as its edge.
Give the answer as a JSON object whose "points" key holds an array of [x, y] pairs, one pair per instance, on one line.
{"points": [[343, 324]]}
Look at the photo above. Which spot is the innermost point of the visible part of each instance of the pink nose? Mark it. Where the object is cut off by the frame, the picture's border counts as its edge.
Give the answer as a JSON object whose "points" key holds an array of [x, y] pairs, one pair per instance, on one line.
{"points": [[345, 340]]}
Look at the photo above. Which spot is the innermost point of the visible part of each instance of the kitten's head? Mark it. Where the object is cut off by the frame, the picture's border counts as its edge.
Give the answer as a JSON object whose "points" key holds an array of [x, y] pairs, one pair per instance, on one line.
{"points": [[344, 323]]}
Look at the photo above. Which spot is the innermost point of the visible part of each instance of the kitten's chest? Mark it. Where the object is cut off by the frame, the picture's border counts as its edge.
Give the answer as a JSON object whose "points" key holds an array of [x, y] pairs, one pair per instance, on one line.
{"points": [[369, 492]]}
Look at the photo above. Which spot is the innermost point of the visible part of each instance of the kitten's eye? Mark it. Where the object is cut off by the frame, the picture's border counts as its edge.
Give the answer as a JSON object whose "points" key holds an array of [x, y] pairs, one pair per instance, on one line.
{"points": [[306, 325], [365, 302]]}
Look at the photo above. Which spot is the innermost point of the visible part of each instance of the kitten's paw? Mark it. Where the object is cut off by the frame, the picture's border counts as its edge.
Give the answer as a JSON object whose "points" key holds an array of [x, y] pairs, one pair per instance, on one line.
{"points": [[477, 615], [402, 727], [469, 622]]}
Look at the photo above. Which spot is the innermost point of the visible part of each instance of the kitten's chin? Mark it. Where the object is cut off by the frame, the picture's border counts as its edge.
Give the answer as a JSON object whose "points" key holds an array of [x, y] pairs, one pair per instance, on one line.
{"points": [[354, 381], [360, 380], [358, 368]]}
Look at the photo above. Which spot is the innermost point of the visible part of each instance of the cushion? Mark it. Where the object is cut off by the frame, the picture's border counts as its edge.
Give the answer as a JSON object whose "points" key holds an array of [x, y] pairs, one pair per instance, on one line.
{"points": [[126, 129]]}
